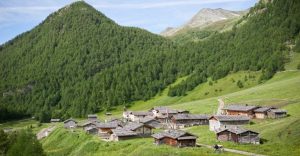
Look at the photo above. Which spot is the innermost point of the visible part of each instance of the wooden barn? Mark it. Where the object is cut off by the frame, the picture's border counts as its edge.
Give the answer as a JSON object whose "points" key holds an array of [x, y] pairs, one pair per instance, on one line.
{"points": [[184, 120], [238, 135], [70, 123], [92, 130], [222, 121], [245, 110], [176, 138], [150, 121], [276, 113], [122, 134], [139, 128], [262, 113], [105, 129], [88, 125], [135, 116], [165, 111]]}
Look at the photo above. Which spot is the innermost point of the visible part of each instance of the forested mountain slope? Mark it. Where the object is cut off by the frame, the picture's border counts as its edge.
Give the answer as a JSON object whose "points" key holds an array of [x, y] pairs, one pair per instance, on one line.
{"points": [[259, 41], [78, 61]]}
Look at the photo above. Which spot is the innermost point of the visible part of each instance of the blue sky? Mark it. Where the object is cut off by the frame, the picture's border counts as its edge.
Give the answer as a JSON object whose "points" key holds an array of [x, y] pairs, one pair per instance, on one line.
{"points": [[18, 16]]}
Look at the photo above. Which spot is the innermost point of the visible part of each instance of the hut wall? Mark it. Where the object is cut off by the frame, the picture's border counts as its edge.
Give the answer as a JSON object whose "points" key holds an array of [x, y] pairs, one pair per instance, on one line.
{"points": [[187, 143], [170, 141]]}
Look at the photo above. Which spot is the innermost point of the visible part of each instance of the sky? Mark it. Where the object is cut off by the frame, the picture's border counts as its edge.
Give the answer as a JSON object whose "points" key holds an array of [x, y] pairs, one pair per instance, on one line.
{"points": [[18, 16]]}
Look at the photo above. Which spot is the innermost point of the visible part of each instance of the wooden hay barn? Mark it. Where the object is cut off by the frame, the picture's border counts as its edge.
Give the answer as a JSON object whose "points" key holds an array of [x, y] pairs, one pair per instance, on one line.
{"points": [[240, 110], [222, 121], [276, 113], [70, 123], [184, 120], [238, 135], [176, 138], [122, 134], [139, 128]]}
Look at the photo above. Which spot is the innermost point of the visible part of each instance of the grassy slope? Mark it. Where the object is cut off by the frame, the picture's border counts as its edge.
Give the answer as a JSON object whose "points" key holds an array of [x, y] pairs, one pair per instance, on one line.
{"points": [[294, 61], [283, 135], [79, 143], [226, 85]]}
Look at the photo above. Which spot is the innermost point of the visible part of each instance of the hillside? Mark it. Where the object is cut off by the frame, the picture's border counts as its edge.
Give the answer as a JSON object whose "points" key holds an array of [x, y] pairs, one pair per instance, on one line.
{"points": [[78, 61], [204, 18], [282, 134]]}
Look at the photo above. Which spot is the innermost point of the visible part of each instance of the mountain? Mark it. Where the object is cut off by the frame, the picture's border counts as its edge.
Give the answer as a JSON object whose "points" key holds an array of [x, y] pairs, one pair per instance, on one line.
{"points": [[78, 61], [204, 18]]}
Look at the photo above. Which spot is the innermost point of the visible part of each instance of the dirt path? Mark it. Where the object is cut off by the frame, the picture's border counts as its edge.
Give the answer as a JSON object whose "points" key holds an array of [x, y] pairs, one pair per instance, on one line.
{"points": [[45, 132], [233, 150]]}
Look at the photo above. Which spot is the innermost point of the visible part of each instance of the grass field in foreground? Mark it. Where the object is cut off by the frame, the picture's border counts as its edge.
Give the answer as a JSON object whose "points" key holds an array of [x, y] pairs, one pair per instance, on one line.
{"points": [[63, 142]]}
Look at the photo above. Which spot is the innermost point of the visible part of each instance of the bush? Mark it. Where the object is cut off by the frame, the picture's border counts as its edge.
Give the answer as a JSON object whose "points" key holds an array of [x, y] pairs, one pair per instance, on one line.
{"points": [[240, 84]]}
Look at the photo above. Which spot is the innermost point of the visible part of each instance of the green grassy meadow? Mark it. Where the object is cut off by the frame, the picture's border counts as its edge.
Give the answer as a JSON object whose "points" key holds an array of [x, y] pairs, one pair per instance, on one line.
{"points": [[282, 136]]}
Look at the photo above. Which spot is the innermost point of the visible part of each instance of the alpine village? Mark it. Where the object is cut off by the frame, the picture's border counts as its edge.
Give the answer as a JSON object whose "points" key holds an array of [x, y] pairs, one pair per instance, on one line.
{"points": [[222, 83]]}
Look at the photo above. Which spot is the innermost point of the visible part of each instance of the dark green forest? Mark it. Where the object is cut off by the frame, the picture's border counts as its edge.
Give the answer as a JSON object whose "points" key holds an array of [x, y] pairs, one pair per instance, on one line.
{"points": [[78, 61]]}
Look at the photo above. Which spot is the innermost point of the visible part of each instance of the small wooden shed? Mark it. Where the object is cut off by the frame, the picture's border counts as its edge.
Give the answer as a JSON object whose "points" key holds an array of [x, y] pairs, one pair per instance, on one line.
{"points": [[262, 113], [92, 117], [105, 129], [184, 120], [70, 123], [277, 113], [222, 121], [139, 128], [246, 110], [122, 134], [238, 135], [176, 138]]}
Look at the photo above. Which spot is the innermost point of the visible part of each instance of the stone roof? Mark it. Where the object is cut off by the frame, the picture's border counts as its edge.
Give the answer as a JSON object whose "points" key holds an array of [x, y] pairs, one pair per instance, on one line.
{"points": [[242, 108], [138, 113], [262, 109], [70, 120], [235, 130], [90, 128], [278, 111], [166, 110], [133, 126], [141, 113], [146, 119], [107, 125], [174, 134], [190, 117], [231, 117], [123, 132]]}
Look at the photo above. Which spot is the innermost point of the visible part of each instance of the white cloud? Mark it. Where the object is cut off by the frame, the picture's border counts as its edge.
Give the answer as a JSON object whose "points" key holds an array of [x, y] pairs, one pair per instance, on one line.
{"points": [[159, 4]]}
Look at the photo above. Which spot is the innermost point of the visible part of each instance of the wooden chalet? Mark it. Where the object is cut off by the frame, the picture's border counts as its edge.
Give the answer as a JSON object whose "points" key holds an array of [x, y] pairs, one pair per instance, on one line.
{"points": [[70, 123], [276, 113], [165, 111], [88, 125], [175, 138], [238, 135], [222, 121], [139, 128], [122, 134], [105, 129], [92, 130], [135, 116], [246, 110], [183, 120], [150, 121], [262, 113]]}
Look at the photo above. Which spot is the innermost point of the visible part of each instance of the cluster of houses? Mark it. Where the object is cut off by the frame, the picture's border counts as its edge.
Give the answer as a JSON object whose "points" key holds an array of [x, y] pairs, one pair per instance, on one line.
{"points": [[227, 125]]}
